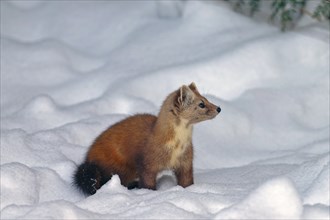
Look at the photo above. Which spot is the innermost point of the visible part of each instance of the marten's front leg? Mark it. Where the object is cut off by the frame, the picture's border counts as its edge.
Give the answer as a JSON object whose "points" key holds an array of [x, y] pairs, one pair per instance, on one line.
{"points": [[146, 172], [148, 180], [184, 173]]}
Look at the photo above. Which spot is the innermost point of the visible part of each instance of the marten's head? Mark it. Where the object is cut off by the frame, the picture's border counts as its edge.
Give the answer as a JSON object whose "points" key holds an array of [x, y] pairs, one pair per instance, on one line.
{"points": [[190, 105]]}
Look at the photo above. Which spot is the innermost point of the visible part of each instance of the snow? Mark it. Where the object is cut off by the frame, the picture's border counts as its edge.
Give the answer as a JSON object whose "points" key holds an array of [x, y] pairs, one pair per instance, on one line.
{"points": [[70, 70], [275, 199]]}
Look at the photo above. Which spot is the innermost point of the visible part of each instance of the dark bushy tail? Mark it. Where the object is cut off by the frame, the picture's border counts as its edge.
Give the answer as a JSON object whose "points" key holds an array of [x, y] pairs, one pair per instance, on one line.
{"points": [[88, 178]]}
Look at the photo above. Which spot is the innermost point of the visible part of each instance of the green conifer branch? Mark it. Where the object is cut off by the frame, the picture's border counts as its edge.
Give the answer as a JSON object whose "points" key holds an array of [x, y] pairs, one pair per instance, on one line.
{"points": [[287, 12]]}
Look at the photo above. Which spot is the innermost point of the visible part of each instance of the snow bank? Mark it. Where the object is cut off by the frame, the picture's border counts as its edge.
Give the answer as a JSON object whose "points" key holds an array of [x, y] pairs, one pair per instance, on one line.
{"points": [[19, 185], [316, 212], [320, 187], [69, 71], [275, 199]]}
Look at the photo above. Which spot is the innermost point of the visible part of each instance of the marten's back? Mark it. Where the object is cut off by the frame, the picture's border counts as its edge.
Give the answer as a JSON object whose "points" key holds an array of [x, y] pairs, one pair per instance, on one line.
{"points": [[117, 147]]}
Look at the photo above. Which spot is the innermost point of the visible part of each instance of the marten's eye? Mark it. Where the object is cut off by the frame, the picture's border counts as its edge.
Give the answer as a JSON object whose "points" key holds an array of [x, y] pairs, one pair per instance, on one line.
{"points": [[201, 105]]}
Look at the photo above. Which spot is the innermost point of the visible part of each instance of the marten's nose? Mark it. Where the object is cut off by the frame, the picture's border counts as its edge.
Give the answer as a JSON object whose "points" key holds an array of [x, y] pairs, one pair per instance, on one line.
{"points": [[218, 109]]}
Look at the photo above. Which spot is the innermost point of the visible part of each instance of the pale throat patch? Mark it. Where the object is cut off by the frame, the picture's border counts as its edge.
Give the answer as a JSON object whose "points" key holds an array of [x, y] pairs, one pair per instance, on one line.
{"points": [[181, 140]]}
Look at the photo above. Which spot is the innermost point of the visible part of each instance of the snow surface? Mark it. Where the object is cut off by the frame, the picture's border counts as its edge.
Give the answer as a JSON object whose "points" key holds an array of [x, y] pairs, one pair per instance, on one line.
{"points": [[69, 70]]}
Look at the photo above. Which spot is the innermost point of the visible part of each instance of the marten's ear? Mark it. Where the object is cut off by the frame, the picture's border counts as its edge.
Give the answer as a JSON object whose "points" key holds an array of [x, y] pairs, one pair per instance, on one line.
{"points": [[193, 87], [186, 96]]}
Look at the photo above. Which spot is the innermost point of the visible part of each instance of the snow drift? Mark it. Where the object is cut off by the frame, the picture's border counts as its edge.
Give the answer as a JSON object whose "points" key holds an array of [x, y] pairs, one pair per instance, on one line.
{"points": [[69, 70]]}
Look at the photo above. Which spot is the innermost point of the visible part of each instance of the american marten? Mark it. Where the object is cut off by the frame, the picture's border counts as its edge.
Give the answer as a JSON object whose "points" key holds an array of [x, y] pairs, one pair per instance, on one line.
{"points": [[140, 146]]}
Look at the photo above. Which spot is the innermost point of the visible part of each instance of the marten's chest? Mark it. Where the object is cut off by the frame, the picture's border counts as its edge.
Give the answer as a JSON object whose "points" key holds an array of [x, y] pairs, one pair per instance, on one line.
{"points": [[178, 145]]}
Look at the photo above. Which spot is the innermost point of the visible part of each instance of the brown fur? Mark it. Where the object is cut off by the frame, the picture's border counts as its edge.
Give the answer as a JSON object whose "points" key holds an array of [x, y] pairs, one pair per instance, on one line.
{"points": [[141, 146]]}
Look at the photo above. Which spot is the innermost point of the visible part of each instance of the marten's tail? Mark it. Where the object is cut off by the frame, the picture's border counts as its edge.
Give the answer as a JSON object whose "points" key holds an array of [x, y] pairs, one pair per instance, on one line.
{"points": [[89, 177]]}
